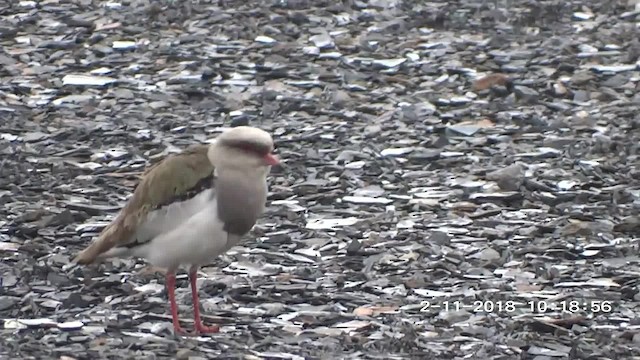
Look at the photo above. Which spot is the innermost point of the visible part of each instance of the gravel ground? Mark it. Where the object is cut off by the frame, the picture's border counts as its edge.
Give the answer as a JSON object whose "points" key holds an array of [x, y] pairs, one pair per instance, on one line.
{"points": [[460, 178]]}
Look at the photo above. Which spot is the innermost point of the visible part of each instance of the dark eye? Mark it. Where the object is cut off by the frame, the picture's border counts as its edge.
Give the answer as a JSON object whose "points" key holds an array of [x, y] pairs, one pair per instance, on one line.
{"points": [[253, 148]]}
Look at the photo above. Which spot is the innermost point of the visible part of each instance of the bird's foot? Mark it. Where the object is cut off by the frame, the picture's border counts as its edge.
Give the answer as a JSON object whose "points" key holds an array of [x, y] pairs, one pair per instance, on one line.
{"points": [[179, 330], [199, 329], [202, 329]]}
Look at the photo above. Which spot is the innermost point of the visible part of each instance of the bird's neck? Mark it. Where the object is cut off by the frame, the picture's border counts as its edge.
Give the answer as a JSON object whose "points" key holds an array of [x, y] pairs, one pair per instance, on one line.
{"points": [[258, 174]]}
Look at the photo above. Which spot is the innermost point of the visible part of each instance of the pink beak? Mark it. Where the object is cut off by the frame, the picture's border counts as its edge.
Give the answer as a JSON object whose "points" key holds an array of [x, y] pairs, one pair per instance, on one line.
{"points": [[271, 159]]}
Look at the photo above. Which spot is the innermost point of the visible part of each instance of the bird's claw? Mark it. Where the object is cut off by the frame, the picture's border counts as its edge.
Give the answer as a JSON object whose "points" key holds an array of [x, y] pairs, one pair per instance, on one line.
{"points": [[179, 330], [207, 329], [199, 330]]}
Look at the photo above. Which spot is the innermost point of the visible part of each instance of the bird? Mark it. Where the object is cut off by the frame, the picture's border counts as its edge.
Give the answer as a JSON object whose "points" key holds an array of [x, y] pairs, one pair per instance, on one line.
{"points": [[190, 208]]}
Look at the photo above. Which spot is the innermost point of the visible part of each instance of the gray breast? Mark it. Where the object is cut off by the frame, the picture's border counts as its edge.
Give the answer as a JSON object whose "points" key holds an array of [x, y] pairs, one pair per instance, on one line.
{"points": [[240, 201]]}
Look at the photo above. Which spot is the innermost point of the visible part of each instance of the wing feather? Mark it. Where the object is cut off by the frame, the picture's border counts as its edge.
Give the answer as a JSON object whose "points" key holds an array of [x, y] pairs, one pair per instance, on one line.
{"points": [[187, 171]]}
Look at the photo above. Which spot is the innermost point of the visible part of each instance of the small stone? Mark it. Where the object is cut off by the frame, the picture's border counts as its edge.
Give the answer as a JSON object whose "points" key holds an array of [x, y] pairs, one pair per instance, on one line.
{"points": [[124, 93], [7, 302], [526, 94], [581, 96], [184, 354], [581, 78], [509, 178]]}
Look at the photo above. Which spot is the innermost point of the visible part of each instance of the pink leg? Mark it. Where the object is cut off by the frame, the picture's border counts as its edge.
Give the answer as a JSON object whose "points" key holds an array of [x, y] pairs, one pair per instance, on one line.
{"points": [[193, 276], [171, 289]]}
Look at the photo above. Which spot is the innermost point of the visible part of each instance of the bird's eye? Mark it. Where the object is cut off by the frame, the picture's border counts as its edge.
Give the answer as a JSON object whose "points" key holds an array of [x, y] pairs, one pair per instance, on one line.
{"points": [[251, 148]]}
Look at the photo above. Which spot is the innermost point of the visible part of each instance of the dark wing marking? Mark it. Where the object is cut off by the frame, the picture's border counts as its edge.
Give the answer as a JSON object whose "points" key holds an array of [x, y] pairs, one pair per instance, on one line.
{"points": [[200, 186]]}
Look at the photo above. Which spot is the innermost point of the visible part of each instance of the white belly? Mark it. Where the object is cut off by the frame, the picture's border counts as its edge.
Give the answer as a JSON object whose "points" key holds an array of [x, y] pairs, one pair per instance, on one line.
{"points": [[187, 233]]}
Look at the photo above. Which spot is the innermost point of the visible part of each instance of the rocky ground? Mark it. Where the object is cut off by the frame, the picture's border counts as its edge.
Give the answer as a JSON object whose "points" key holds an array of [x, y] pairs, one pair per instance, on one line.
{"points": [[476, 154]]}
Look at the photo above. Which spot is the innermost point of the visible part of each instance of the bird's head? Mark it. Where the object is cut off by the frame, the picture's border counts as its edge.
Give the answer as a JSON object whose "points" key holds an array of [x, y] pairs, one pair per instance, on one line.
{"points": [[243, 148]]}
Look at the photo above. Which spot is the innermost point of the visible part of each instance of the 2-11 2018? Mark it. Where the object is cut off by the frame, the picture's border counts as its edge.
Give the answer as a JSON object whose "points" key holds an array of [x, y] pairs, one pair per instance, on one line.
{"points": [[535, 306]]}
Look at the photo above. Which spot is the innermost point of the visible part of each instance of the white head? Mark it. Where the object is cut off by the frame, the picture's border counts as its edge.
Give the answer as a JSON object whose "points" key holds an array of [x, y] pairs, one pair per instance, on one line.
{"points": [[243, 148]]}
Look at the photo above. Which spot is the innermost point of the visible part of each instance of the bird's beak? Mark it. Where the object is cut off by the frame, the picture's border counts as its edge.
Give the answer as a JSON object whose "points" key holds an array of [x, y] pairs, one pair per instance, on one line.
{"points": [[271, 159]]}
